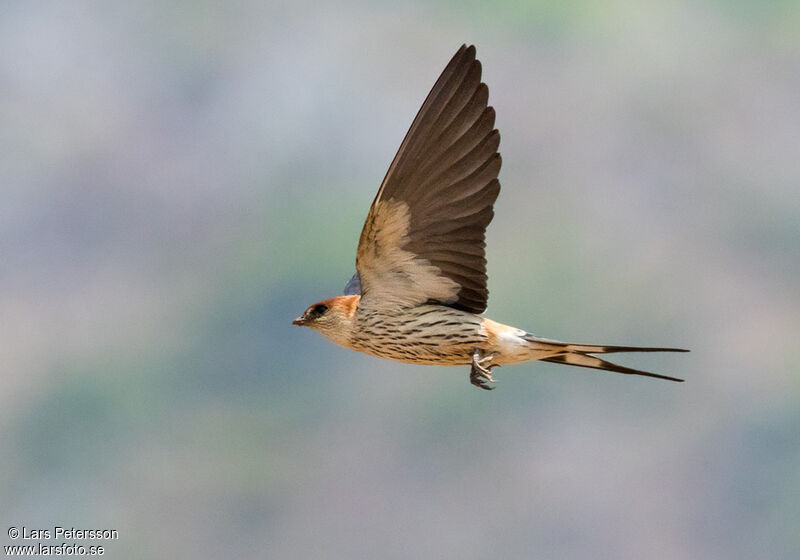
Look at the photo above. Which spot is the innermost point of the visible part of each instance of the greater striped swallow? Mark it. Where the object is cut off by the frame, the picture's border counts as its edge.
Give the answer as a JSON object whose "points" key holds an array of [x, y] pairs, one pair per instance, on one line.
{"points": [[420, 284]]}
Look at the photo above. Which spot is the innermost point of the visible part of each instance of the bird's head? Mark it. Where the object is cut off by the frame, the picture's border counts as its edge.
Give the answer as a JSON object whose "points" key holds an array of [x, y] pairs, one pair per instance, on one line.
{"points": [[331, 317]]}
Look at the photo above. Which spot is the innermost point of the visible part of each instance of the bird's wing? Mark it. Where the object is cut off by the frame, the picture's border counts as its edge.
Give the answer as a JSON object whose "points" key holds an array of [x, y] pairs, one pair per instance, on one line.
{"points": [[424, 237], [353, 286]]}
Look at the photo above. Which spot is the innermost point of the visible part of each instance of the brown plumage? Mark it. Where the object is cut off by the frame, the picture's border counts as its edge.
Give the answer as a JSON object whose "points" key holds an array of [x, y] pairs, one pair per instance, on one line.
{"points": [[420, 282]]}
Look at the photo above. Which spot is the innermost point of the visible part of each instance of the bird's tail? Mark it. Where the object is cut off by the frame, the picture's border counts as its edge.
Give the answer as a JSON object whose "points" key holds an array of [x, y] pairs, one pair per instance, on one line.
{"points": [[580, 355]]}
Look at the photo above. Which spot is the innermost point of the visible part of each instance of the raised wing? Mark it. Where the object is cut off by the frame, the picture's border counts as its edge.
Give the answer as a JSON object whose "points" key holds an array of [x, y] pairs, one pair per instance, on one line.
{"points": [[424, 237]]}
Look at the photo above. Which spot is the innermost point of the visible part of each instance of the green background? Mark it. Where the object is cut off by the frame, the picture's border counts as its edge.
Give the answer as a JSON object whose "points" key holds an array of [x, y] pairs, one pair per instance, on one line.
{"points": [[180, 180]]}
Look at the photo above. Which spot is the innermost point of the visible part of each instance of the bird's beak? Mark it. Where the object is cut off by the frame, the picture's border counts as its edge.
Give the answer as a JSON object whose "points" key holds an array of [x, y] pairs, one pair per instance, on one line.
{"points": [[299, 322]]}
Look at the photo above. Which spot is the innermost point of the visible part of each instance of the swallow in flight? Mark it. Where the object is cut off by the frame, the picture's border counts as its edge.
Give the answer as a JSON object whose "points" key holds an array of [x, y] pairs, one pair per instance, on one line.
{"points": [[420, 284]]}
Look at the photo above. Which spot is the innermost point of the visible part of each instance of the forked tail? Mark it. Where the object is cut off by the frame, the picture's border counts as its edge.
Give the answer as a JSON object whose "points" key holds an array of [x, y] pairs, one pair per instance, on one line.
{"points": [[580, 355]]}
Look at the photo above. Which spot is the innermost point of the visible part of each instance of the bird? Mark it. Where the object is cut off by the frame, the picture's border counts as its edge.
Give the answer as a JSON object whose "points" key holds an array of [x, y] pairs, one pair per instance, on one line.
{"points": [[420, 286]]}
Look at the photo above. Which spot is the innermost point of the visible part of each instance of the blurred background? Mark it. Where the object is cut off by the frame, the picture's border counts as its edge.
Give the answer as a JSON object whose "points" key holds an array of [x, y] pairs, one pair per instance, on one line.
{"points": [[180, 180]]}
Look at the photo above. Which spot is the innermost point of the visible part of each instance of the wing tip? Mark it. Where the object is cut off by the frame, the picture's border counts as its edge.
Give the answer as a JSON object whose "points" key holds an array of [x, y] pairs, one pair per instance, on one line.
{"points": [[464, 53]]}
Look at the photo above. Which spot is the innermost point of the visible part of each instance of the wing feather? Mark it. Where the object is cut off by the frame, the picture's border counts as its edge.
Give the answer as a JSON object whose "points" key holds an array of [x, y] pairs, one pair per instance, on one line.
{"points": [[424, 236]]}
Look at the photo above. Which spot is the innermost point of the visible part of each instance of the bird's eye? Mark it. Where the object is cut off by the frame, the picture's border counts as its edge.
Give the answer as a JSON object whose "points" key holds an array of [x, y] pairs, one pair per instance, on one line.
{"points": [[318, 311]]}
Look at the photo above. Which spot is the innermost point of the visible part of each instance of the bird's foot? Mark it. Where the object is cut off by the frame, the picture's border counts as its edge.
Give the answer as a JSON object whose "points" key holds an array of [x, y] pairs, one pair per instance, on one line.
{"points": [[480, 375]]}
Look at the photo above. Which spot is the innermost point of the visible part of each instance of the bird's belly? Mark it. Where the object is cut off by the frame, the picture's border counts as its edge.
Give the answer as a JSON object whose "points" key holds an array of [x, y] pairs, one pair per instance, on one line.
{"points": [[415, 353], [428, 335]]}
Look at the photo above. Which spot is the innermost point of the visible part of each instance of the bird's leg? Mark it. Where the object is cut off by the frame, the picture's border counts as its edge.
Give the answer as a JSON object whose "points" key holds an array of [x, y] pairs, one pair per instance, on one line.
{"points": [[480, 375]]}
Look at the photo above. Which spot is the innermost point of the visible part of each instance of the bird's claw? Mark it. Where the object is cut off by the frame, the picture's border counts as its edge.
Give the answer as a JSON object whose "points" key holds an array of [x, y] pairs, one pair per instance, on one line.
{"points": [[479, 375]]}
